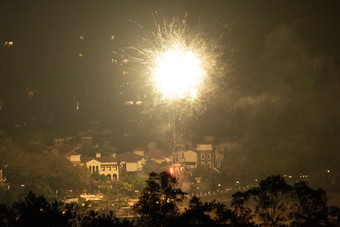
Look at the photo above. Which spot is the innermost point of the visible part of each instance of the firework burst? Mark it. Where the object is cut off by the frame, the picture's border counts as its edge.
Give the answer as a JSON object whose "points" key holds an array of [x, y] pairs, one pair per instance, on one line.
{"points": [[174, 65]]}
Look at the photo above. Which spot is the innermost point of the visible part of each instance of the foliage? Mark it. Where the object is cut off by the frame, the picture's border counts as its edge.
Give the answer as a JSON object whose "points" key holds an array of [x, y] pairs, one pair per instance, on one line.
{"points": [[160, 200], [159, 205], [272, 199], [36, 211], [152, 166], [242, 213], [197, 213], [136, 180], [276, 203], [106, 149], [311, 206], [48, 174]]}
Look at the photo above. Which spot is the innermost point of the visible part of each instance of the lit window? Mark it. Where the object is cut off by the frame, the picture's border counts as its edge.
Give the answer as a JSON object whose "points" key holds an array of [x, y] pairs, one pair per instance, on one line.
{"points": [[208, 156], [125, 72], [138, 102], [81, 37], [80, 55], [202, 156], [112, 60], [127, 103], [9, 43], [112, 37], [30, 93], [125, 60]]}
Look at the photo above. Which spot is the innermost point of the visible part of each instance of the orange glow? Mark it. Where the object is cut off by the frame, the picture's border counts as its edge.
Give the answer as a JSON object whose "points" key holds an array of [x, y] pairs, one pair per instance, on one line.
{"points": [[171, 171]]}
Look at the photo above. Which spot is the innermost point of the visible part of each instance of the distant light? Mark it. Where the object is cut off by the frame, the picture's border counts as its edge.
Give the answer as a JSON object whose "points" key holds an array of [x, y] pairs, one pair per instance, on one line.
{"points": [[237, 182], [81, 37], [289, 176], [80, 55], [112, 37], [30, 93], [138, 102], [9, 43], [256, 180], [328, 171], [128, 103], [219, 185]]}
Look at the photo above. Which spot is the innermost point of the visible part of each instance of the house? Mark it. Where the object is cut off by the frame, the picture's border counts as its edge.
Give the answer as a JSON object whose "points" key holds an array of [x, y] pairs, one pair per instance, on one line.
{"points": [[132, 162], [205, 155], [58, 141], [73, 157], [86, 140], [224, 147], [103, 165], [186, 158], [3, 183], [159, 156]]}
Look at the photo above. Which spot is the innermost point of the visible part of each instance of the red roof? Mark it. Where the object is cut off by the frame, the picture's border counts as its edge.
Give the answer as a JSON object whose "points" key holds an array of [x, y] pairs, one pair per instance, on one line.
{"points": [[129, 157]]}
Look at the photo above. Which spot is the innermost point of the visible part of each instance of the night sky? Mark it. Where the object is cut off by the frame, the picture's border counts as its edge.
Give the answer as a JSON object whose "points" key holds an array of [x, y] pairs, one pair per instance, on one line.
{"points": [[276, 91]]}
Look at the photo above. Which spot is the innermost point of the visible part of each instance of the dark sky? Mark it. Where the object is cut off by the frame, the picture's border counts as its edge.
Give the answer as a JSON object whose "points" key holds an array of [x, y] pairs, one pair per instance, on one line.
{"points": [[280, 92]]}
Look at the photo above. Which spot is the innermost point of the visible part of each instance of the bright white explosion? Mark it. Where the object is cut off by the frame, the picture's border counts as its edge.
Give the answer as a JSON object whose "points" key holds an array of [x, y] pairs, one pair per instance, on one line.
{"points": [[175, 63], [177, 73]]}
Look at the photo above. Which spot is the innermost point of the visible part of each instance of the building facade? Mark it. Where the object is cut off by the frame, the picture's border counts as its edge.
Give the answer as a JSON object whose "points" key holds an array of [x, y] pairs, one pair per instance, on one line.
{"points": [[205, 156]]}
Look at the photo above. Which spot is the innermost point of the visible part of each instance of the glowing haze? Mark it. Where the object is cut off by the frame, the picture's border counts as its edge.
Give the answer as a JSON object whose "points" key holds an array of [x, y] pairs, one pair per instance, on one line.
{"points": [[177, 73]]}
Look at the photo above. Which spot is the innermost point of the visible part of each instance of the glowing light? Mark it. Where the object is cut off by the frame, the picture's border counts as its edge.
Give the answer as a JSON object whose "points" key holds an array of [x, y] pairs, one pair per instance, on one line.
{"points": [[171, 171], [177, 73]]}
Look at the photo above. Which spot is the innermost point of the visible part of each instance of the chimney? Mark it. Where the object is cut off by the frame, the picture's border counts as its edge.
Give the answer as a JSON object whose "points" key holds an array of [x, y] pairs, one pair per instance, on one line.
{"points": [[98, 155]]}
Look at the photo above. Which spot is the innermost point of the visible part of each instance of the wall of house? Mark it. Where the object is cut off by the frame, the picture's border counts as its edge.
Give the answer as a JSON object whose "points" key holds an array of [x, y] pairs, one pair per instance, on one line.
{"points": [[110, 168], [74, 158], [131, 167], [190, 156]]}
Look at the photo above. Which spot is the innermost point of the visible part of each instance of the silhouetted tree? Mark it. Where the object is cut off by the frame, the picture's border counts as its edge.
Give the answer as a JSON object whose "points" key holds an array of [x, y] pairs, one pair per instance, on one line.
{"points": [[277, 204], [272, 200], [197, 213], [36, 211], [334, 216], [241, 215], [159, 202], [311, 206], [7, 217]]}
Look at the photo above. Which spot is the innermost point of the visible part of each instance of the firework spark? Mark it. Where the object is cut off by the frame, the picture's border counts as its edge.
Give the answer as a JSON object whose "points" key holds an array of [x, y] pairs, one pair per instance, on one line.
{"points": [[181, 62]]}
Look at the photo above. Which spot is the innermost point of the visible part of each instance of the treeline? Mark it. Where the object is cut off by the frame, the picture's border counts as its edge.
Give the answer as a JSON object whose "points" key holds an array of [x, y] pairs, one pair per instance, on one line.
{"points": [[272, 203]]}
